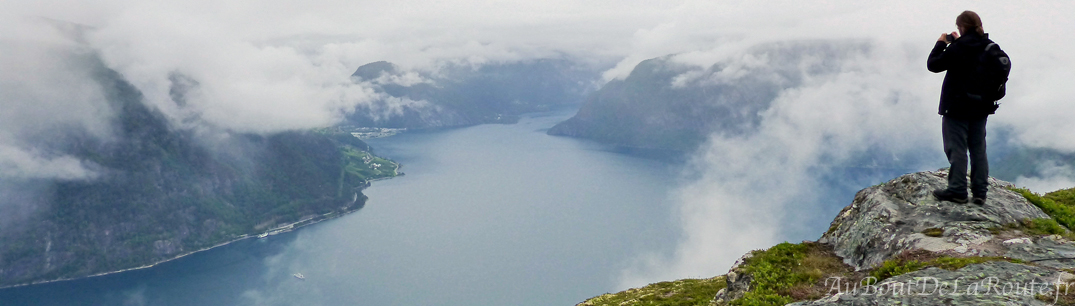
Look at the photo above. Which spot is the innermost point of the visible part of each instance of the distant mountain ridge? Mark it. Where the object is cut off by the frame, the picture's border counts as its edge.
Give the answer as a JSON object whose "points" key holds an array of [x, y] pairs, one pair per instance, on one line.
{"points": [[461, 95], [663, 104]]}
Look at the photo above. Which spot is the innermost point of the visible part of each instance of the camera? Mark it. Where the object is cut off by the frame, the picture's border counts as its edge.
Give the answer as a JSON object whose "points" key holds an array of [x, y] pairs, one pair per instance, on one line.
{"points": [[950, 38]]}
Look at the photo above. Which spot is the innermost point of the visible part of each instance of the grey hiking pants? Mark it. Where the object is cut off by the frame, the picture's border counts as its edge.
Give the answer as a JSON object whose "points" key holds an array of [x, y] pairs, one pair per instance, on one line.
{"points": [[962, 136]]}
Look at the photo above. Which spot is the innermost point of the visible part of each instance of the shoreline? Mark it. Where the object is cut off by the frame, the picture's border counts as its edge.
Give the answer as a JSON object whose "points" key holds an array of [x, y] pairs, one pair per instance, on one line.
{"points": [[274, 231]]}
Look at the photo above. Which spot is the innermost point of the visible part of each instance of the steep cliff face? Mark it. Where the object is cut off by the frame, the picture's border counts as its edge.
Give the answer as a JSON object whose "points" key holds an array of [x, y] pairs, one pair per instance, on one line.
{"points": [[897, 245], [459, 95], [159, 192]]}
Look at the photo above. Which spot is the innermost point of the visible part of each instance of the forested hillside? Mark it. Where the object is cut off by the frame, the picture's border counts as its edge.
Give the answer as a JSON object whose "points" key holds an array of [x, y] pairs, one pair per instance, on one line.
{"points": [[160, 192]]}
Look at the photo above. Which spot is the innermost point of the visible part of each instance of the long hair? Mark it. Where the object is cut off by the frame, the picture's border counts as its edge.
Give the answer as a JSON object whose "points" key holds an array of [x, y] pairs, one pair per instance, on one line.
{"points": [[969, 21]]}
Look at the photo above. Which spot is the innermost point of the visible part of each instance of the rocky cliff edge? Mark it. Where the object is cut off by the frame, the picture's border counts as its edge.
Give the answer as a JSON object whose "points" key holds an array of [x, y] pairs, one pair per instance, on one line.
{"points": [[897, 245]]}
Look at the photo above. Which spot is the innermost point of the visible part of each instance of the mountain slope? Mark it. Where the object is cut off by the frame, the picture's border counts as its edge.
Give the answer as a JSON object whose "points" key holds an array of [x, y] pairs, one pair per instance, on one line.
{"points": [[159, 192], [664, 104]]}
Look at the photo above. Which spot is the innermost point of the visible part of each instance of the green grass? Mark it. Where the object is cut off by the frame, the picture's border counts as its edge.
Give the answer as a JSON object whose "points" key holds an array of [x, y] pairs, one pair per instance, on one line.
{"points": [[1044, 226], [1059, 204], [773, 273], [905, 264], [893, 267], [783, 274], [789, 272], [1064, 196], [684, 292], [355, 165]]}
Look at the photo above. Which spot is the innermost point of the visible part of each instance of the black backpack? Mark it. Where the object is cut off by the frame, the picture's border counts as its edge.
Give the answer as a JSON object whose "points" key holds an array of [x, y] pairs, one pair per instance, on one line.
{"points": [[990, 76]]}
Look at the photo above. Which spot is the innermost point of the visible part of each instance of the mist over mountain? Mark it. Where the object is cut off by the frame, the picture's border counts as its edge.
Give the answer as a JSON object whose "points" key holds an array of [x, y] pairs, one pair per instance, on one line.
{"points": [[790, 127], [666, 104], [459, 95], [771, 101], [120, 186], [105, 168]]}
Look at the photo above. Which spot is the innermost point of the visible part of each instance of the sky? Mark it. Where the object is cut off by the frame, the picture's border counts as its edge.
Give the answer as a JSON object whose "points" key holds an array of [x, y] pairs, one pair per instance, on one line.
{"points": [[268, 66]]}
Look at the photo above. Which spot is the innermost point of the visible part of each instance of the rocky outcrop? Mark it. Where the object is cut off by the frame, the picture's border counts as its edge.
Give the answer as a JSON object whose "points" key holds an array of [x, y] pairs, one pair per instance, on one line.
{"points": [[738, 281], [893, 217], [991, 283], [903, 247]]}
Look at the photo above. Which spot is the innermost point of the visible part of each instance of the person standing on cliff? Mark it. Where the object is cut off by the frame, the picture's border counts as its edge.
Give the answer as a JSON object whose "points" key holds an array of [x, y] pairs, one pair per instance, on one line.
{"points": [[963, 118]]}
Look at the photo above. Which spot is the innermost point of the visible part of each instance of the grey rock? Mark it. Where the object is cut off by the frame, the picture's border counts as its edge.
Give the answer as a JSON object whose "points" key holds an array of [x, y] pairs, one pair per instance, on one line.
{"points": [[991, 283], [902, 215], [719, 298], [1045, 251], [738, 281], [888, 219]]}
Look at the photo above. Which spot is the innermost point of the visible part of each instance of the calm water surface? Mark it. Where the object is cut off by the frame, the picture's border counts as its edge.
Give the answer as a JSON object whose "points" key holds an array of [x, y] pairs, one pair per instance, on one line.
{"points": [[485, 215]]}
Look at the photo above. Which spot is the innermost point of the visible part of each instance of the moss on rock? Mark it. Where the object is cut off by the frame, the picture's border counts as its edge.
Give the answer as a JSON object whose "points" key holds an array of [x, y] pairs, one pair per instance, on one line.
{"points": [[684, 292]]}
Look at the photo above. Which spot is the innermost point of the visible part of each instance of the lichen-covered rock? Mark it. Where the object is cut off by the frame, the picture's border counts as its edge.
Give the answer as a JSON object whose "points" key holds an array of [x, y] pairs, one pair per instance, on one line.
{"points": [[890, 218], [991, 283], [902, 216], [1049, 251], [738, 282]]}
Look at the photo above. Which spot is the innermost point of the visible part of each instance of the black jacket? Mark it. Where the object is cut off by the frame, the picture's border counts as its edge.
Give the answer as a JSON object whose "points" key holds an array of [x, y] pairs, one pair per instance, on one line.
{"points": [[960, 60]]}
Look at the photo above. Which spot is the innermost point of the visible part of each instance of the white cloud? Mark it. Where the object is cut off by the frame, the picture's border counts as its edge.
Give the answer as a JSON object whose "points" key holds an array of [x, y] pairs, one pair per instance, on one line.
{"points": [[16, 163], [45, 83], [756, 188], [406, 79], [265, 66], [1053, 177], [257, 59], [45, 88], [1046, 184], [244, 85]]}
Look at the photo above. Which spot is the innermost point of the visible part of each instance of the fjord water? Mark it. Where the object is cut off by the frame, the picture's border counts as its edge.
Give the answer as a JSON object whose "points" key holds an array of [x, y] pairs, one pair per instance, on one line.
{"points": [[485, 215]]}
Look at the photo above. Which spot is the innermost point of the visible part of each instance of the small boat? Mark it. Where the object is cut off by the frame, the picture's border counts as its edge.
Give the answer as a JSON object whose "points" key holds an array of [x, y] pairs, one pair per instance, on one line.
{"points": [[263, 235], [299, 276]]}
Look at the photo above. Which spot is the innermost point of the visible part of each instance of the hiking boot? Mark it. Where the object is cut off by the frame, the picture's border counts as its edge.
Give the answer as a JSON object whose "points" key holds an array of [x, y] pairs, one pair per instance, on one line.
{"points": [[978, 200], [945, 195]]}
